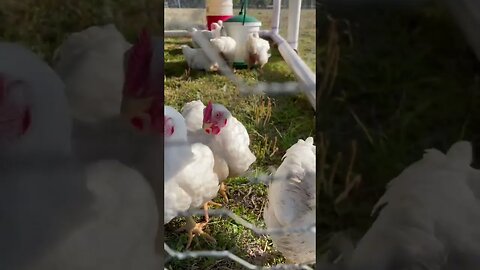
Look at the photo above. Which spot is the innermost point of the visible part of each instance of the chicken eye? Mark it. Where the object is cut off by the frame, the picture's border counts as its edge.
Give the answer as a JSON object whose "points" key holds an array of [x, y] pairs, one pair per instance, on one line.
{"points": [[218, 115], [172, 130]]}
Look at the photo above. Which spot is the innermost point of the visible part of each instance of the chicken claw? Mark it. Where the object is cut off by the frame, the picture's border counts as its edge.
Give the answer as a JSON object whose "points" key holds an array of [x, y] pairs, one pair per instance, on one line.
{"points": [[195, 229]]}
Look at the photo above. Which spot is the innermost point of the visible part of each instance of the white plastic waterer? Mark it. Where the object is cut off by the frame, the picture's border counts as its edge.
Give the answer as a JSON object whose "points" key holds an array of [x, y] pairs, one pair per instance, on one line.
{"points": [[238, 27]]}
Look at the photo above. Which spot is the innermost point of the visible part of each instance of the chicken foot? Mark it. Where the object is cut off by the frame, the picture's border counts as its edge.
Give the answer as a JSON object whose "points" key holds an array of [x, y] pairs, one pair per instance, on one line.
{"points": [[195, 229]]}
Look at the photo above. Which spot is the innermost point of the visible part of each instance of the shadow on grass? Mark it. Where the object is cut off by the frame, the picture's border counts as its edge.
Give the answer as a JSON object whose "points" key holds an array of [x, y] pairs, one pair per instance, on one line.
{"points": [[175, 68], [177, 51]]}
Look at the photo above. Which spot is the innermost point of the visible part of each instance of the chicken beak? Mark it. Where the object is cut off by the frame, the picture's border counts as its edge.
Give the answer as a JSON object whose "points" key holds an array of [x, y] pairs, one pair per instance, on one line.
{"points": [[207, 126]]}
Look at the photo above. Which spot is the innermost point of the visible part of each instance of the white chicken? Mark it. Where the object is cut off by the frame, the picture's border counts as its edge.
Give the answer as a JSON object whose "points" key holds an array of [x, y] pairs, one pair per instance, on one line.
{"points": [[56, 211], [134, 135], [215, 126], [140, 107], [34, 127], [207, 34], [189, 178], [90, 63], [225, 45], [292, 202], [198, 60], [257, 50], [430, 217]]}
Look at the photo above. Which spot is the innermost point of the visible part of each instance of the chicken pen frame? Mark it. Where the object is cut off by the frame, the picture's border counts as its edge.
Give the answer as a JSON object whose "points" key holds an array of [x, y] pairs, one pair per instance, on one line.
{"points": [[287, 48]]}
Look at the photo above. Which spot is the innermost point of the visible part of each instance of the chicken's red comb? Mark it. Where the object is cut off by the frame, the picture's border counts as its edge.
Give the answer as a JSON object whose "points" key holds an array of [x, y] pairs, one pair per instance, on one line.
{"points": [[207, 112], [138, 67]]}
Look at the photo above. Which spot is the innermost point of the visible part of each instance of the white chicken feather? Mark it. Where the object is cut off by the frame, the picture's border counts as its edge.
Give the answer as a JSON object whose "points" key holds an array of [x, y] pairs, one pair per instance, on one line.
{"points": [[292, 202], [430, 217]]}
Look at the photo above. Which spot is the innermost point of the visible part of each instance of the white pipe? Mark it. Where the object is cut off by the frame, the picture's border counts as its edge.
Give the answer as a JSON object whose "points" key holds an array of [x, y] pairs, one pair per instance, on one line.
{"points": [[176, 33], [294, 11], [265, 33], [277, 8], [303, 73]]}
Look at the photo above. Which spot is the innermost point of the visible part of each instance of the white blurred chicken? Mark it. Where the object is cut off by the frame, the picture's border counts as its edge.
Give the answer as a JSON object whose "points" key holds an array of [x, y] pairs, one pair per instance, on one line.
{"points": [[292, 202], [90, 63], [225, 45], [198, 60], [132, 130], [207, 34], [60, 214], [215, 126], [257, 51], [129, 82], [430, 217], [195, 57], [134, 134], [189, 178], [38, 202]]}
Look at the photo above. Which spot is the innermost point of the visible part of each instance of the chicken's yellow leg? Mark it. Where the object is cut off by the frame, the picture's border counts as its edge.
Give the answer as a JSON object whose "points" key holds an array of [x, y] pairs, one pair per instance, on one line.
{"points": [[223, 191], [205, 208]]}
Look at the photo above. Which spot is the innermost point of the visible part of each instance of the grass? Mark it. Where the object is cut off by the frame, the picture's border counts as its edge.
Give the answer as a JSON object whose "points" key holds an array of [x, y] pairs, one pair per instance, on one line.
{"points": [[274, 124], [395, 81]]}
